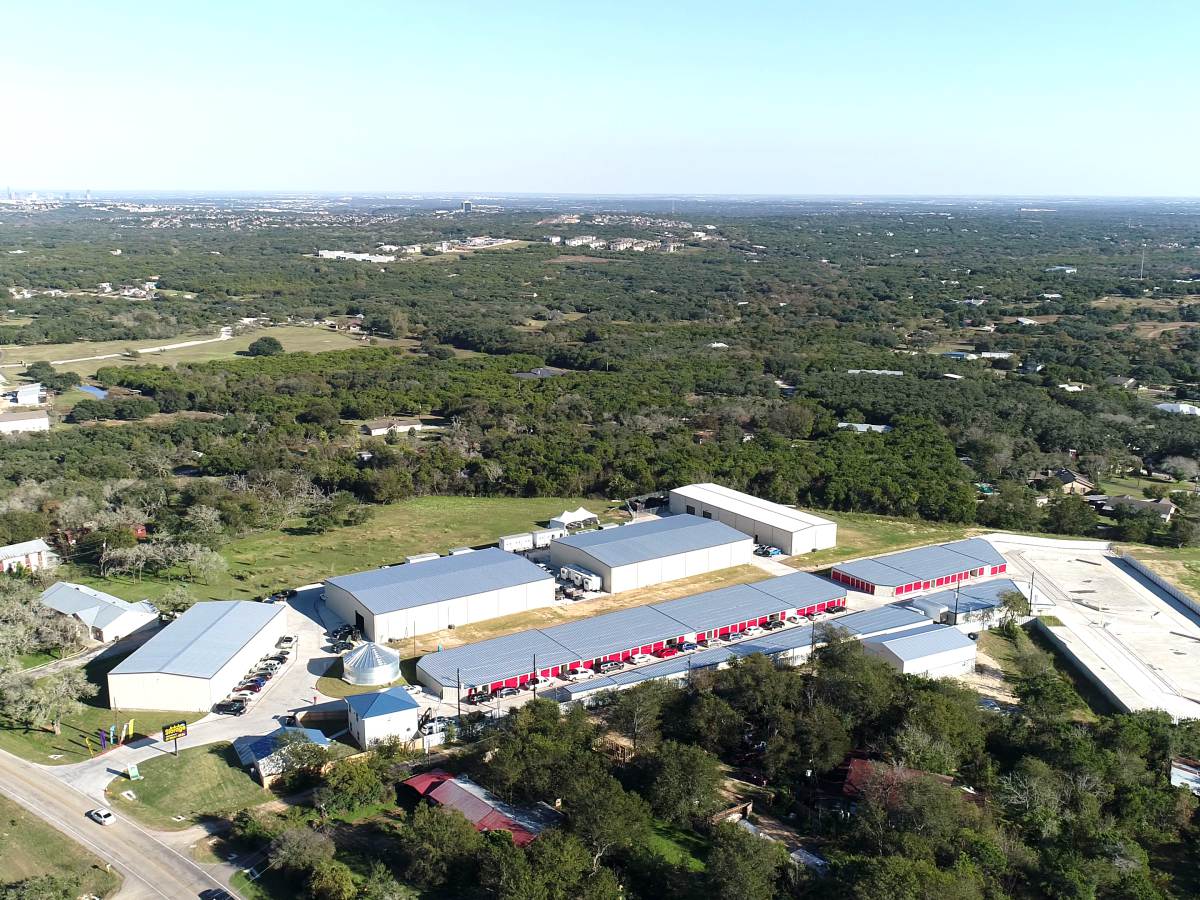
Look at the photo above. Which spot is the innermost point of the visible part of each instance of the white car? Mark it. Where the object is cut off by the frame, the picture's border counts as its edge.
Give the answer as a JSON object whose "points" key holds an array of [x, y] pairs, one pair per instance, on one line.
{"points": [[637, 659], [101, 816], [580, 674], [751, 630]]}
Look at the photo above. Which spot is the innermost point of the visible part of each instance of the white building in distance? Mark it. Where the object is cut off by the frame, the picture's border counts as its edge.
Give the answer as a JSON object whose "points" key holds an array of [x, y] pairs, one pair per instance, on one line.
{"points": [[791, 530]]}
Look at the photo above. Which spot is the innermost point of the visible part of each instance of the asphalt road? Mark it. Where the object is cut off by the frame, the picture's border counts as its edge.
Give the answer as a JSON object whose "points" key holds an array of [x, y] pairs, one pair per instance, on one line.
{"points": [[151, 869]]}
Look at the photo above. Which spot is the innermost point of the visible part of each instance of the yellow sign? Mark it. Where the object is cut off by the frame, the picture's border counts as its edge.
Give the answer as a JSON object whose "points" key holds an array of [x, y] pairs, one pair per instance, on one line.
{"points": [[174, 731]]}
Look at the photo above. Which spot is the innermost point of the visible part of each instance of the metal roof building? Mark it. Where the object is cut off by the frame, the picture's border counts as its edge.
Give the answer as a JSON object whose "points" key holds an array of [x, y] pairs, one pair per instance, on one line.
{"points": [[911, 571], [931, 650], [195, 661], [548, 652], [417, 598], [107, 618], [791, 530], [974, 602], [370, 663], [645, 553], [383, 714]]}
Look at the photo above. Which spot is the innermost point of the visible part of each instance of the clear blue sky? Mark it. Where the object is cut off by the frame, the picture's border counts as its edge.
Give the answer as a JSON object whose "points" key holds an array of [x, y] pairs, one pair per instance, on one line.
{"points": [[963, 97]]}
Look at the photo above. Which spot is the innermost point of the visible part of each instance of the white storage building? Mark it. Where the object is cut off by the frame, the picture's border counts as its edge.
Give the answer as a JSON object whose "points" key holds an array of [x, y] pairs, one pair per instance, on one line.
{"points": [[29, 556], [199, 658], [107, 618], [645, 553], [935, 651], [385, 714], [791, 530], [402, 601]]}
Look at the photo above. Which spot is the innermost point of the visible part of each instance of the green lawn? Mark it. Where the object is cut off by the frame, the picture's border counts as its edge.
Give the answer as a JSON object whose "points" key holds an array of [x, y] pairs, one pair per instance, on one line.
{"points": [[331, 685], [41, 745], [272, 560], [29, 848], [677, 846], [203, 782], [860, 534]]}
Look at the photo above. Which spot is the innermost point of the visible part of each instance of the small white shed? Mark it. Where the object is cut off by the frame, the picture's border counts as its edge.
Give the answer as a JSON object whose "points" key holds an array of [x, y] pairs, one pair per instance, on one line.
{"points": [[385, 714]]}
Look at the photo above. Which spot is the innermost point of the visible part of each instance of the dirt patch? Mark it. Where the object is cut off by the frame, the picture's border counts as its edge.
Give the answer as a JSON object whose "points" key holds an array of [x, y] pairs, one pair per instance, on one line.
{"points": [[1159, 303], [1151, 330], [988, 679]]}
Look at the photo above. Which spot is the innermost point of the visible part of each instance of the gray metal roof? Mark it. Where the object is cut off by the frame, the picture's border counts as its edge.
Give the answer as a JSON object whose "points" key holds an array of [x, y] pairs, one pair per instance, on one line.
{"points": [[640, 541], [445, 578], [92, 607], [381, 703], [771, 642], [495, 659], [874, 621], [202, 640], [975, 595], [925, 640], [587, 639], [924, 563]]}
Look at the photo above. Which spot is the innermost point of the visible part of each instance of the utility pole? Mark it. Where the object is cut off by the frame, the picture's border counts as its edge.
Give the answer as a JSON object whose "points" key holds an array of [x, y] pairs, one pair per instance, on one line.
{"points": [[458, 678], [957, 588], [535, 676]]}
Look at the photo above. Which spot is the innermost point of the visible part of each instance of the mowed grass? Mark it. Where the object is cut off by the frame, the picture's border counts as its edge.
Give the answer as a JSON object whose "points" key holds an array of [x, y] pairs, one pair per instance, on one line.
{"points": [[860, 534], [202, 783], [331, 685], [677, 846], [39, 744], [294, 339], [30, 848], [273, 560]]}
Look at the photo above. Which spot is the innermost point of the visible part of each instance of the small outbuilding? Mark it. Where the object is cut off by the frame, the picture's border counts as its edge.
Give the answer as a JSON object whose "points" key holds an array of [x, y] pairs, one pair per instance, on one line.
{"points": [[574, 518], [370, 663], [935, 651], [384, 714]]}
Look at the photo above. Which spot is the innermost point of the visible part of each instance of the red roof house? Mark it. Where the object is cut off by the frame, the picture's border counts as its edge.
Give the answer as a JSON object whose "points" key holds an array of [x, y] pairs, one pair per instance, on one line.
{"points": [[481, 808]]}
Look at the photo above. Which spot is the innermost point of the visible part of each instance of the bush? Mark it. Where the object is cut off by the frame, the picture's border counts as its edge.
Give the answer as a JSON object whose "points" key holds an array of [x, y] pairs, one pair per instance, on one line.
{"points": [[265, 346]]}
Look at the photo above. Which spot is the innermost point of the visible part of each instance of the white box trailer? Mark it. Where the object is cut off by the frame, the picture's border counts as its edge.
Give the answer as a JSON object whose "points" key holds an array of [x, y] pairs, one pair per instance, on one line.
{"points": [[516, 543], [422, 557], [581, 577], [542, 537]]}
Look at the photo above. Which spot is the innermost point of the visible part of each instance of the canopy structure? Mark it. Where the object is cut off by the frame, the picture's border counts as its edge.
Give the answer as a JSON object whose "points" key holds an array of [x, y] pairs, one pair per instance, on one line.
{"points": [[574, 518]]}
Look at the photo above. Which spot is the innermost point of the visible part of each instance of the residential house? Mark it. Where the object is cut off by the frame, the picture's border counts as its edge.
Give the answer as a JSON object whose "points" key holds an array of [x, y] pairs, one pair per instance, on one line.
{"points": [[261, 754], [483, 809], [106, 617], [1164, 508], [1072, 482], [31, 556], [858, 778]]}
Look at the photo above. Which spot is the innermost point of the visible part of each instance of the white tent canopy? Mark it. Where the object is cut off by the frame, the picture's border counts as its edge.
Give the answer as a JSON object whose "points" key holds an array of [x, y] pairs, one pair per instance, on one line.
{"points": [[573, 518]]}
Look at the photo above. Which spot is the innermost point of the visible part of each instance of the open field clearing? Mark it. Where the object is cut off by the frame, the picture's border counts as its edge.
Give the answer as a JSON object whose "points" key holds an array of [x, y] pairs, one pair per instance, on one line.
{"points": [[865, 535], [1156, 303], [29, 848], [294, 339], [1181, 565], [1150, 330], [274, 560]]}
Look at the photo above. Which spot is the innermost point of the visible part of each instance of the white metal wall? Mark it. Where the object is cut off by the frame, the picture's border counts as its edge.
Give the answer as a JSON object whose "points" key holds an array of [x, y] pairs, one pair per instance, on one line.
{"points": [[654, 571], [800, 540], [374, 728], [159, 690], [457, 611], [948, 663]]}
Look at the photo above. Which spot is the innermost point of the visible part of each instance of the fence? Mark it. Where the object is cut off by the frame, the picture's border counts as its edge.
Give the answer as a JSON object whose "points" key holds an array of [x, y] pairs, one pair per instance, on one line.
{"points": [[1064, 647], [1153, 577]]}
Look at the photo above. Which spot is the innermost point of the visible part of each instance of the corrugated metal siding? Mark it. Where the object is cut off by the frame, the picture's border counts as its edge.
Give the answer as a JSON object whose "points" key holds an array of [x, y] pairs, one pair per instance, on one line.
{"points": [[976, 595], [874, 621], [927, 640], [445, 578], [773, 514], [641, 541]]}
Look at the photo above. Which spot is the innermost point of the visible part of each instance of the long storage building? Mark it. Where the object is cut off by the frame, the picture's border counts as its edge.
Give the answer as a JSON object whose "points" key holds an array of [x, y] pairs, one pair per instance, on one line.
{"points": [[645, 553], [791, 530], [510, 661], [417, 598], [199, 658], [920, 569]]}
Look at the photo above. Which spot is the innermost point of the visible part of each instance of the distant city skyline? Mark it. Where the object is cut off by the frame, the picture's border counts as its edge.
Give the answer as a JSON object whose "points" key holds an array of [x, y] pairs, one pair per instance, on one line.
{"points": [[1060, 98]]}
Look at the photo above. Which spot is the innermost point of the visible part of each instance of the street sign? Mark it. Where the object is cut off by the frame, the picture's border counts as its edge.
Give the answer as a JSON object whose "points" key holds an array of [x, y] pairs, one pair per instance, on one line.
{"points": [[174, 731]]}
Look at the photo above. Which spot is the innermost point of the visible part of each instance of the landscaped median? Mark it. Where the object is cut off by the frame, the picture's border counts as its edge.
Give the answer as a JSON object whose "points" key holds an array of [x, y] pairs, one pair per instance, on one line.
{"points": [[79, 730]]}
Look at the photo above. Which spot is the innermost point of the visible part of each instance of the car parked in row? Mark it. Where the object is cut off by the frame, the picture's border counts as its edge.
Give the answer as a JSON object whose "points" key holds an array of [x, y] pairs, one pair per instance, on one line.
{"points": [[775, 625], [666, 652], [235, 706], [611, 665], [580, 674], [636, 659], [505, 692], [287, 642]]}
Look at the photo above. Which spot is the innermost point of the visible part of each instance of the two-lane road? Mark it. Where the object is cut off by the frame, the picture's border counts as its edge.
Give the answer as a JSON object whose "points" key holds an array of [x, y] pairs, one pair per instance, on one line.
{"points": [[151, 869]]}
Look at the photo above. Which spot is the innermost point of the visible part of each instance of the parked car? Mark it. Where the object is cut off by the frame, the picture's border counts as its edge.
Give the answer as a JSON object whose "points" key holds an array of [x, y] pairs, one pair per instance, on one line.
{"points": [[792, 620], [612, 665], [478, 697], [775, 625], [341, 646], [233, 707], [532, 683], [686, 646], [636, 659], [101, 816], [580, 674], [253, 687], [751, 629], [505, 692], [433, 727], [287, 642], [279, 658], [666, 652]]}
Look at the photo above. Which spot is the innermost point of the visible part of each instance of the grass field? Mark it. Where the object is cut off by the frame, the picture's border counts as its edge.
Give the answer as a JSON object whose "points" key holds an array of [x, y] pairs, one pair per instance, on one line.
{"points": [[203, 783], [272, 560], [293, 338], [1181, 565], [860, 534], [677, 846], [29, 848], [42, 746], [331, 685]]}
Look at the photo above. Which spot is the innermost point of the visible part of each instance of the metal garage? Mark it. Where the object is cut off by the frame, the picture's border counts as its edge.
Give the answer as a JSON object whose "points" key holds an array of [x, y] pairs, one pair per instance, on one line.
{"points": [[935, 651], [199, 658], [645, 553], [417, 598], [791, 530]]}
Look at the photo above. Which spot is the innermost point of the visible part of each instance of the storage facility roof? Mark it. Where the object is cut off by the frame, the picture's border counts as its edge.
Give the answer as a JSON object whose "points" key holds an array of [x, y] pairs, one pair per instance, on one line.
{"points": [[202, 640], [590, 638], [742, 602], [445, 578], [876, 621], [924, 563], [773, 514], [925, 640], [641, 541], [495, 659], [976, 595]]}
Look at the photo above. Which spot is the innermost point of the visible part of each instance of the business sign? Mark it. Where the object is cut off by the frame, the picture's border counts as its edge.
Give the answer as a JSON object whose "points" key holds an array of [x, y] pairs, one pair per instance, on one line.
{"points": [[174, 731]]}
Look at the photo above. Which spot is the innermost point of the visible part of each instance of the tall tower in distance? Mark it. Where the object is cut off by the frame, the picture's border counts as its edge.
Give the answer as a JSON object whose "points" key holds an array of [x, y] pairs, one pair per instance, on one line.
{"points": [[466, 206]]}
